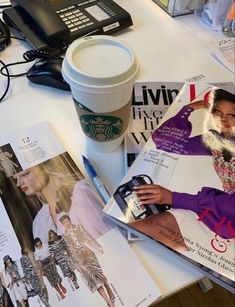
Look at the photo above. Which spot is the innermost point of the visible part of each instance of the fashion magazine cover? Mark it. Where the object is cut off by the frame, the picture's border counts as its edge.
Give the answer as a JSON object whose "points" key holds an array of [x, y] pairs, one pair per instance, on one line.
{"points": [[180, 191]]}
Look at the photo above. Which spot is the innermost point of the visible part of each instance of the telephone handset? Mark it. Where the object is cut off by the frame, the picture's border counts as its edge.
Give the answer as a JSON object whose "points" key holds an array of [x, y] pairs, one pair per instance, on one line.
{"points": [[130, 204], [54, 24], [49, 26]]}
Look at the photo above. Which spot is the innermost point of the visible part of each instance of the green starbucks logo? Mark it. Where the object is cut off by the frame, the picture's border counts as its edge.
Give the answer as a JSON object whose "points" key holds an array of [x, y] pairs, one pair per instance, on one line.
{"points": [[101, 127]]}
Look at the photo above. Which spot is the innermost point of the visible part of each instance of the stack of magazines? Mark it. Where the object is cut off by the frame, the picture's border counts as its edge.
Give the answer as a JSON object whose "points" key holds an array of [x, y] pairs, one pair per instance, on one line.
{"points": [[180, 190], [59, 246]]}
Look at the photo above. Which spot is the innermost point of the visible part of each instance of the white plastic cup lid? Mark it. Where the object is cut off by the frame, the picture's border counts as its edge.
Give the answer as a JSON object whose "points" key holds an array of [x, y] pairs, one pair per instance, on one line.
{"points": [[99, 61]]}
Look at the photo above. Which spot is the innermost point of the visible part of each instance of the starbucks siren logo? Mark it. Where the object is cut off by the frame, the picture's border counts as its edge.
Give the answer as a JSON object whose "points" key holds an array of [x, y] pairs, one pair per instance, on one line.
{"points": [[101, 127]]}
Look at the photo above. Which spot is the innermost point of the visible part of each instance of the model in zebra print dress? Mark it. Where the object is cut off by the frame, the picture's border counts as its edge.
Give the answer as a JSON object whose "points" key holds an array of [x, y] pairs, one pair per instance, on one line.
{"points": [[42, 254], [85, 260], [33, 277], [60, 252]]}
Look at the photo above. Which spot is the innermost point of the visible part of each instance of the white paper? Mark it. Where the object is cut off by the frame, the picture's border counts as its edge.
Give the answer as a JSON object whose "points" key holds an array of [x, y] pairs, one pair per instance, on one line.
{"points": [[223, 51]]}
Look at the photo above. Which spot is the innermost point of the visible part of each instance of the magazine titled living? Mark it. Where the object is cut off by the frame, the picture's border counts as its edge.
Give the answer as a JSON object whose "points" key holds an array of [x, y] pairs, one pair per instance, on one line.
{"points": [[150, 102], [180, 191], [56, 247]]}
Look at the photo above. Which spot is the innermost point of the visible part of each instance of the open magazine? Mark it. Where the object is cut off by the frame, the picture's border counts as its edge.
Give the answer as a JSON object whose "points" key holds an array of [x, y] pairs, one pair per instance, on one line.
{"points": [[180, 191], [56, 247]]}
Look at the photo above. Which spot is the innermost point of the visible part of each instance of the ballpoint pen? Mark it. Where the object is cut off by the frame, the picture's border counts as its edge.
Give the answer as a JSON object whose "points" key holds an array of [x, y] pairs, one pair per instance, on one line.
{"points": [[96, 180]]}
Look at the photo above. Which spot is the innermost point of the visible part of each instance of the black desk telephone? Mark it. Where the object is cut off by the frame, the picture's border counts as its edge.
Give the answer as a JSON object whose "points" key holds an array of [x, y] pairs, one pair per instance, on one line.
{"points": [[54, 24]]}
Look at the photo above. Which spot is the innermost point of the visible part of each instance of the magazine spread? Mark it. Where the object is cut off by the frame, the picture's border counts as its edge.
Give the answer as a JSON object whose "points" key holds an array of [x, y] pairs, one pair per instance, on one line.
{"points": [[150, 102], [56, 246], [180, 190]]}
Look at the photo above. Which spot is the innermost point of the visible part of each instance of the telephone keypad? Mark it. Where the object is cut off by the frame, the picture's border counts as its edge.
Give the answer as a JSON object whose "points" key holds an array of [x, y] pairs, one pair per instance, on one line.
{"points": [[73, 29], [75, 19], [106, 9]]}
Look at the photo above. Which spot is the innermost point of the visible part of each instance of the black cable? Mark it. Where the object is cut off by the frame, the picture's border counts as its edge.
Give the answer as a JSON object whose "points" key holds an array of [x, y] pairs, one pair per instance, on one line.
{"points": [[8, 81], [32, 55], [15, 37], [6, 66], [29, 56], [7, 72]]}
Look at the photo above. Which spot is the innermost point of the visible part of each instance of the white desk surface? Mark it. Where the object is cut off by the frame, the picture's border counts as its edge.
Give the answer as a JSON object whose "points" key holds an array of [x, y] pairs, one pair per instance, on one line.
{"points": [[167, 51]]}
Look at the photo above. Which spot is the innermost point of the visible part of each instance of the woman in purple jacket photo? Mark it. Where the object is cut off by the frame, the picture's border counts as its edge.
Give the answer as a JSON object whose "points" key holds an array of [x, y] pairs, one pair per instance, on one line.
{"points": [[214, 207]]}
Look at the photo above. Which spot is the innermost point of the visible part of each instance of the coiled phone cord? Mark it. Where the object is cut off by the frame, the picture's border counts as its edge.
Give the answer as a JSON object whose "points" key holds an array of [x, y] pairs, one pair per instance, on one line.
{"points": [[32, 55], [28, 56]]}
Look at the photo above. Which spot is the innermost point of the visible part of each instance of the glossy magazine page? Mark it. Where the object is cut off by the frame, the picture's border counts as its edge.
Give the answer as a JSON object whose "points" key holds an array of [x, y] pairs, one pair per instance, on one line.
{"points": [[150, 102], [56, 247], [180, 190]]}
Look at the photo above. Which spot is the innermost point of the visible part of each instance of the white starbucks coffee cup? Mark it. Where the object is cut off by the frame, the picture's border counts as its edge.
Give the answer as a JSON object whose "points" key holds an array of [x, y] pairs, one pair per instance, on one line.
{"points": [[101, 71]]}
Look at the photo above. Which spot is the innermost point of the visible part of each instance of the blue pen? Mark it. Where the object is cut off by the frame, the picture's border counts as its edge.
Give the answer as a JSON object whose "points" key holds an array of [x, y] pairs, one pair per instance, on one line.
{"points": [[96, 180]]}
